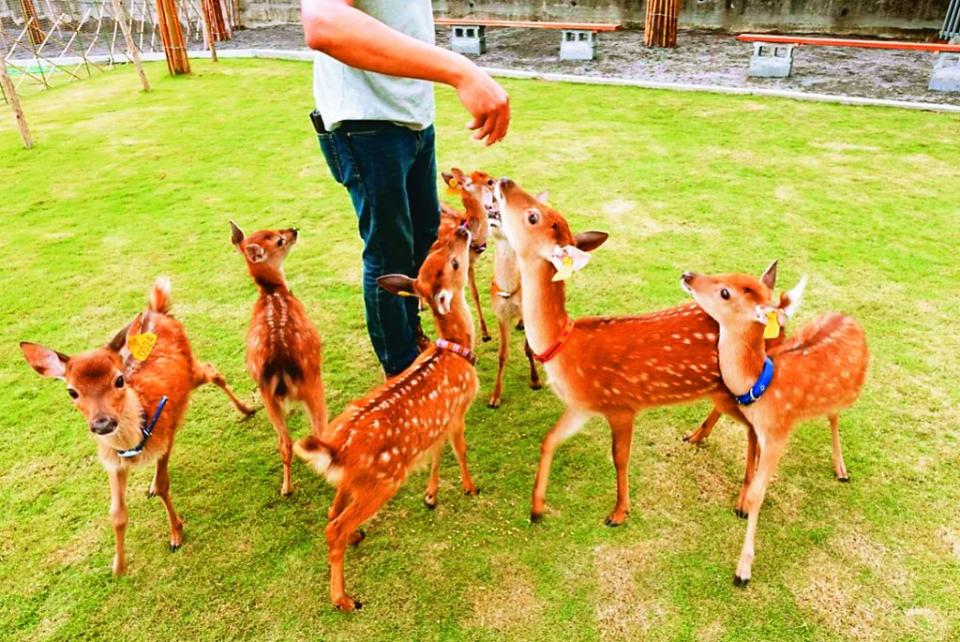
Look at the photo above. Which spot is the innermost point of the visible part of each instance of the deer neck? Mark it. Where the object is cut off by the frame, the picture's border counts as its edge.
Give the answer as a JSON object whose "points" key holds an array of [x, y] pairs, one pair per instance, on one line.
{"points": [[456, 325], [269, 280], [505, 270], [544, 304], [741, 358]]}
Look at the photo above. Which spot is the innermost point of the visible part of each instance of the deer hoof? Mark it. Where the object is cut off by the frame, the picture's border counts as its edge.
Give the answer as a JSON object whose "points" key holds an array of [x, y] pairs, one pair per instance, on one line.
{"points": [[843, 480], [740, 582], [347, 604], [536, 518], [175, 546], [535, 385], [430, 502], [742, 514], [473, 492], [493, 404], [487, 338], [356, 537]]}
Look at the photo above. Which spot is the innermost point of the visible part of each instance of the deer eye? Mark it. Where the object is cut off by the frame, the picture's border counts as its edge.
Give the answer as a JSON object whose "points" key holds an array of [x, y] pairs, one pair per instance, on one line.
{"points": [[455, 264], [73, 393], [533, 217], [724, 294], [118, 382], [280, 242]]}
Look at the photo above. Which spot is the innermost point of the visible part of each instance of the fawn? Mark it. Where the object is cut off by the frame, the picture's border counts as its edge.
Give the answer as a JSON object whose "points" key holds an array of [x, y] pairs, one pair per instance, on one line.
{"points": [[506, 294], [611, 366], [284, 352], [369, 449], [816, 373], [476, 201], [133, 394]]}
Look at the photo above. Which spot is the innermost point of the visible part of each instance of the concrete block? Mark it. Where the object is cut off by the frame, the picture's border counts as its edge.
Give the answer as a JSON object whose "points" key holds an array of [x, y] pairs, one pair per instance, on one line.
{"points": [[468, 39], [576, 44], [771, 60], [946, 73]]}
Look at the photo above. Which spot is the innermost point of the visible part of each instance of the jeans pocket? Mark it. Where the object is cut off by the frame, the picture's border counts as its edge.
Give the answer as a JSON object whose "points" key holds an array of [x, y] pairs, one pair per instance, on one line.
{"points": [[329, 148]]}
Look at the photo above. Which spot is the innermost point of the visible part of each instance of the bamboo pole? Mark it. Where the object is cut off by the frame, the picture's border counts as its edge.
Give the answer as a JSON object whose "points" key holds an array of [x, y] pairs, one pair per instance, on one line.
{"points": [[14, 99], [174, 47], [33, 21], [660, 23], [208, 35], [120, 15]]}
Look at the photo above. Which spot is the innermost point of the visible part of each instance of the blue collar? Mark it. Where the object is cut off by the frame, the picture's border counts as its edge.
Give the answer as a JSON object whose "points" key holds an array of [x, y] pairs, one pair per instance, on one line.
{"points": [[760, 386], [146, 430]]}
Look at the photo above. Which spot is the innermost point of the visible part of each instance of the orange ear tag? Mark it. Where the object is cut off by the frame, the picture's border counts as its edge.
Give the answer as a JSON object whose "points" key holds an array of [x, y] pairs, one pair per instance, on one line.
{"points": [[772, 329], [141, 345]]}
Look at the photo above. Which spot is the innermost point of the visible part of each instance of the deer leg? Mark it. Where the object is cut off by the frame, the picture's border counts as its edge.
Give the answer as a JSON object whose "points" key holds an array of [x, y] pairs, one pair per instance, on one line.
{"points": [[458, 441], [315, 401], [771, 450], [838, 466], [209, 374], [338, 535], [705, 428], [621, 425], [475, 293], [275, 411], [340, 501], [748, 473], [430, 497], [118, 517], [161, 488], [570, 422], [497, 395], [534, 375]]}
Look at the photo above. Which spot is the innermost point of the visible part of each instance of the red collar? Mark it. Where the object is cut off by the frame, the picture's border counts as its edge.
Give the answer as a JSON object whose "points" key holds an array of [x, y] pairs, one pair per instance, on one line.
{"points": [[456, 348], [552, 351]]}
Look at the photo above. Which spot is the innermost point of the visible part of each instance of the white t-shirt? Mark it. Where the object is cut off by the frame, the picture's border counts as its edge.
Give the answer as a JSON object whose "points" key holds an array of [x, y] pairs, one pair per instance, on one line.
{"points": [[345, 93]]}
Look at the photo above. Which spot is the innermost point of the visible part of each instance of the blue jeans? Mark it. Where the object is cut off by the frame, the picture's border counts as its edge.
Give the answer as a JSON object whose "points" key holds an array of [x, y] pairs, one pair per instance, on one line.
{"points": [[391, 174]]}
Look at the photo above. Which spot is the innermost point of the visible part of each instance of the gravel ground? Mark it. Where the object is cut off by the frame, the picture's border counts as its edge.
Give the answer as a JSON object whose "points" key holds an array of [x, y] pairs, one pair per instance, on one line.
{"points": [[700, 57]]}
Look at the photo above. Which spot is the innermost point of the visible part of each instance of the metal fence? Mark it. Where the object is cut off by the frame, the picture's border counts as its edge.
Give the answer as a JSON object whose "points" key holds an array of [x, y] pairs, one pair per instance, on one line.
{"points": [[951, 22]]}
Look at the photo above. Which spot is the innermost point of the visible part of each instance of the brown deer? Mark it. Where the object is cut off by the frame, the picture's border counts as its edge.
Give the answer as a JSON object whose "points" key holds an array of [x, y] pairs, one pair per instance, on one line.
{"points": [[610, 366], [133, 394], [475, 201], [507, 297], [283, 347], [369, 449], [816, 373]]}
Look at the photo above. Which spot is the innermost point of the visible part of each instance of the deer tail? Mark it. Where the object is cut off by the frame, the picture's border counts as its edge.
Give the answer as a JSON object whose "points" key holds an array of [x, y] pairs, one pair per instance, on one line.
{"points": [[315, 452], [160, 296]]}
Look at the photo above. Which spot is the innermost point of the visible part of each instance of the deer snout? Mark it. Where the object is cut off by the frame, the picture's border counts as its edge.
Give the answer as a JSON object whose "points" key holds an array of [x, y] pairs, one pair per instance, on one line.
{"points": [[462, 231], [103, 425], [686, 281]]}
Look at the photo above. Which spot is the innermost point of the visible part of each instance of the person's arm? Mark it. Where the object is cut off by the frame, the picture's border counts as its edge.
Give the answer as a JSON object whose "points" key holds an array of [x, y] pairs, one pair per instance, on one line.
{"points": [[358, 40]]}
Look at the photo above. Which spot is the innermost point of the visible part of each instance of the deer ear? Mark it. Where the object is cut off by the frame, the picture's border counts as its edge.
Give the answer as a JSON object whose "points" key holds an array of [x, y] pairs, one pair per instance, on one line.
{"points": [[400, 284], [543, 197], [790, 301], [255, 253], [47, 362], [119, 341], [769, 277], [589, 241], [236, 234]]}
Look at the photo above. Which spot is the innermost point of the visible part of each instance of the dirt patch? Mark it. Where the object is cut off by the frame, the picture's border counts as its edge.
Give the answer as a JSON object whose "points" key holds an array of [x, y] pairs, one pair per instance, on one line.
{"points": [[701, 57], [511, 603], [625, 609]]}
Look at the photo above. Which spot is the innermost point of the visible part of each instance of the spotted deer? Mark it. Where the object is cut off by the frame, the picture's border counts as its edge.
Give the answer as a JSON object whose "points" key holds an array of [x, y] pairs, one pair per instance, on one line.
{"points": [[507, 296], [369, 449], [133, 394], [475, 201], [609, 366], [284, 352], [818, 372]]}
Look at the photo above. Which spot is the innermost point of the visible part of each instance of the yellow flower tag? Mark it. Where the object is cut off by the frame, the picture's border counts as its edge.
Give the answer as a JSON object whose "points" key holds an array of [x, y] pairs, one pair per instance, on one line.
{"points": [[564, 269], [453, 188], [772, 329], [141, 345]]}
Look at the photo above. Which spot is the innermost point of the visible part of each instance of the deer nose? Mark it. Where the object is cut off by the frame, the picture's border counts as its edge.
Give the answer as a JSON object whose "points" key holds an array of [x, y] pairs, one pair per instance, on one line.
{"points": [[462, 231], [295, 231], [687, 277], [504, 182], [103, 425]]}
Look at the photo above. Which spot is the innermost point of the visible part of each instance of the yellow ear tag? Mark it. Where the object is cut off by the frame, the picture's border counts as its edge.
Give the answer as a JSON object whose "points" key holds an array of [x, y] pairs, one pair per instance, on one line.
{"points": [[772, 329], [452, 187], [141, 345], [565, 269], [405, 293]]}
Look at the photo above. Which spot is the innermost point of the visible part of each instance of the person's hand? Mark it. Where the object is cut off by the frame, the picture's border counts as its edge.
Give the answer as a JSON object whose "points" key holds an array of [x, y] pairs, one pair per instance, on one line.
{"points": [[487, 102]]}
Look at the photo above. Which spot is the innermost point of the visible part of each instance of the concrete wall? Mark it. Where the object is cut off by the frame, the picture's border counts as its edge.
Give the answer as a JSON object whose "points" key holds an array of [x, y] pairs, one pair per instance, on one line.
{"points": [[829, 16]]}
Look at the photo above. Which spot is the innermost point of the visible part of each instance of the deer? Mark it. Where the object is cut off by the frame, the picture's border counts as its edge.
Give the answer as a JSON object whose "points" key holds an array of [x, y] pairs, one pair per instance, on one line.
{"points": [[475, 198], [133, 394], [507, 297], [369, 449], [816, 373], [602, 366], [284, 351]]}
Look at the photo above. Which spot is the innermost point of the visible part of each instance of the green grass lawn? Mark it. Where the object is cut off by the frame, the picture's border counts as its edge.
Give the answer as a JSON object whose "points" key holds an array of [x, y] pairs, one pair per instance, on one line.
{"points": [[123, 187]]}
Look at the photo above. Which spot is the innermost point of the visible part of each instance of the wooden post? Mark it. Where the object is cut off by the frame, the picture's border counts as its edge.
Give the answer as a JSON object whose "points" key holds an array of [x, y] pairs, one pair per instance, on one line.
{"points": [[33, 21], [174, 47], [120, 15], [11, 93], [208, 36], [660, 23]]}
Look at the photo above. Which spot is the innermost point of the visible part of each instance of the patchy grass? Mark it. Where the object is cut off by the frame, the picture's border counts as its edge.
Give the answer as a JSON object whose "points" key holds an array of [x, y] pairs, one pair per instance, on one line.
{"points": [[124, 186]]}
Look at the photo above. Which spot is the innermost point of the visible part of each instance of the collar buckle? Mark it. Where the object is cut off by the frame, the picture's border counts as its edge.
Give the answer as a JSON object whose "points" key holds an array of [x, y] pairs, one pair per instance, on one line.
{"points": [[146, 429], [760, 387]]}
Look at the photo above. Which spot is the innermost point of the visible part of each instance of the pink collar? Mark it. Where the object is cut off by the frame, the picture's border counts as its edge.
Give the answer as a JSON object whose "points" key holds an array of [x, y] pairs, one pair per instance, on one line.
{"points": [[456, 348]]}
